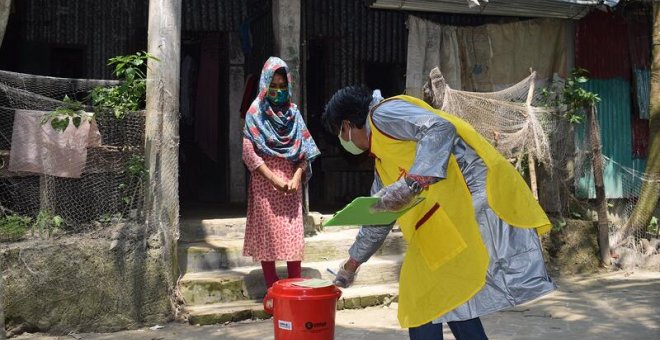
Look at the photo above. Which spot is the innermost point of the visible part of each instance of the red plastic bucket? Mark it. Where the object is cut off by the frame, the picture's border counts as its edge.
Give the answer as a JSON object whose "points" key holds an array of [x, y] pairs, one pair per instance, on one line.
{"points": [[302, 313]]}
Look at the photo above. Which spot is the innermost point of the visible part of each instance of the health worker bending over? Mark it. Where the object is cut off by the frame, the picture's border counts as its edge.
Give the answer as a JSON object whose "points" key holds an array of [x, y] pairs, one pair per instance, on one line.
{"points": [[473, 245]]}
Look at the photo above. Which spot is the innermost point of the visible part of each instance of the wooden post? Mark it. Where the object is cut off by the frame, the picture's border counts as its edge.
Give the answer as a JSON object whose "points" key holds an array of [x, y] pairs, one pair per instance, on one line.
{"points": [[601, 202], [530, 156], [287, 28], [532, 175], [2, 302], [5, 8], [162, 128]]}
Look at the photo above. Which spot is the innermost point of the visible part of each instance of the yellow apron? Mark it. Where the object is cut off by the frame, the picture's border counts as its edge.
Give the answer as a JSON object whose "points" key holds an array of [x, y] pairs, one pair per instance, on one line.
{"points": [[446, 261]]}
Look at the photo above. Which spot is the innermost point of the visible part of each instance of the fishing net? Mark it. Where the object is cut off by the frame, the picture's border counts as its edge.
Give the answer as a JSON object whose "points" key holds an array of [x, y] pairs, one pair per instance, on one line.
{"points": [[89, 171]]}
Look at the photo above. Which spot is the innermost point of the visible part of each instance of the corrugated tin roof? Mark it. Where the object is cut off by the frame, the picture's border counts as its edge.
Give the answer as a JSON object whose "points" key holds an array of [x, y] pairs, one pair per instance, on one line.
{"points": [[570, 9], [616, 139]]}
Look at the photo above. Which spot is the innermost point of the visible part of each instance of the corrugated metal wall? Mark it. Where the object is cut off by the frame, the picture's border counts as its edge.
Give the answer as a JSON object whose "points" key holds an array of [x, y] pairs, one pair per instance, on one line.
{"points": [[213, 15], [601, 45], [616, 136], [615, 48], [257, 35], [355, 34], [105, 28], [345, 40]]}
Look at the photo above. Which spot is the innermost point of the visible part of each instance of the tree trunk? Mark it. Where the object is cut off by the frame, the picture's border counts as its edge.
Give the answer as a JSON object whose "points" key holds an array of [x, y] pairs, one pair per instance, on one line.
{"points": [[601, 202], [650, 193]]}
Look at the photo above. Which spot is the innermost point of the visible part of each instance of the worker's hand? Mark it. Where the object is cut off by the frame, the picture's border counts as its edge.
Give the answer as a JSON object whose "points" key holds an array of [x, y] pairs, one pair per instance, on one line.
{"points": [[346, 274], [394, 197]]}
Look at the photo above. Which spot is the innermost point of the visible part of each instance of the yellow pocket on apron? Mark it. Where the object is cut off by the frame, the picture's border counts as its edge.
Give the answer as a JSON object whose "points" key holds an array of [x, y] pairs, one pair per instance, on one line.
{"points": [[436, 237]]}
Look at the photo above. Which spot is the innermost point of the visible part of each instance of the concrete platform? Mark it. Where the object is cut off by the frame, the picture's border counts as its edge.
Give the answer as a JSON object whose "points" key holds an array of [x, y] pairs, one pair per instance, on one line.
{"points": [[619, 305]]}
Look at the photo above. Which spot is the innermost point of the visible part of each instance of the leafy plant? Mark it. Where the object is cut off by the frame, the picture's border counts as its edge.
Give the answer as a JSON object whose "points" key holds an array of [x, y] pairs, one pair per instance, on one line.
{"points": [[559, 225], [129, 95], [653, 225], [110, 218], [70, 111], [572, 96], [13, 227], [48, 224], [576, 214]]}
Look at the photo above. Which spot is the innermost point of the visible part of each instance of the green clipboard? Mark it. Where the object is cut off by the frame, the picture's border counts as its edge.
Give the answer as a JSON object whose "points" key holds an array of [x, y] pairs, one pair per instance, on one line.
{"points": [[357, 213]]}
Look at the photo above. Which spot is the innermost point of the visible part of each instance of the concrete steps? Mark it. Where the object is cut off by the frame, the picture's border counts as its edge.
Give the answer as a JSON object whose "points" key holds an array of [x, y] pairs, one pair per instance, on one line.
{"points": [[245, 283], [196, 230], [192, 230], [221, 285], [216, 252], [355, 297]]}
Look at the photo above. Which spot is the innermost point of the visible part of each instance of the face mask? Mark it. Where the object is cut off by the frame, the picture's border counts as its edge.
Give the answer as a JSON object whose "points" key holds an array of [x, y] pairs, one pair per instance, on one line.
{"points": [[348, 145], [277, 96]]}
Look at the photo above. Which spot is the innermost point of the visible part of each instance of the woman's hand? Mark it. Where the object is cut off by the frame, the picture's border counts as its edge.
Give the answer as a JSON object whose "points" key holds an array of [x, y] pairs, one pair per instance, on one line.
{"points": [[277, 181], [280, 184], [295, 181]]}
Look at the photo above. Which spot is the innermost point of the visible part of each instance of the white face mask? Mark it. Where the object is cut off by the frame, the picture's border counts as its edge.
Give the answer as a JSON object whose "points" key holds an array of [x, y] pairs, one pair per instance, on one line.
{"points": [[348, 144]]}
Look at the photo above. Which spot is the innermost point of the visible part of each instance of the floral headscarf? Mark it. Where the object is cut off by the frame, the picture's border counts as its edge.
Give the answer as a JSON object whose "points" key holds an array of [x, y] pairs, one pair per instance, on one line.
{"points": [[281, 132]]}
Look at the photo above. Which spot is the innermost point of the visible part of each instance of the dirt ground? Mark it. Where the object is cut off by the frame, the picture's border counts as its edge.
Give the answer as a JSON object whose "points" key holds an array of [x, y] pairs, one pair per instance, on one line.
{"points": [[616, 305]]}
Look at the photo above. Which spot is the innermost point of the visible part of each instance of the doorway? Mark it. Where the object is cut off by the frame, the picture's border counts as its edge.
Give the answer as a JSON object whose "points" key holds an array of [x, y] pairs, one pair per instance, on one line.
{"points": [[203, 163]]}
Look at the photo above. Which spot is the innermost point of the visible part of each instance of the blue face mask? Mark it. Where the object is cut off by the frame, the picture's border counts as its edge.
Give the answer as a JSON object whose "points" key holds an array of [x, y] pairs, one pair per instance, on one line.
{"points": [[277, 96]]}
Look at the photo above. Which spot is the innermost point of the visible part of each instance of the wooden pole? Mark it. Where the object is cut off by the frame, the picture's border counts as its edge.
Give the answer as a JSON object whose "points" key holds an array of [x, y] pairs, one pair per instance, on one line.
{"points": [[162, 128], [2, 302], [530, 156], [5, 8], [601, 202], [287, 29], [532, 175]]}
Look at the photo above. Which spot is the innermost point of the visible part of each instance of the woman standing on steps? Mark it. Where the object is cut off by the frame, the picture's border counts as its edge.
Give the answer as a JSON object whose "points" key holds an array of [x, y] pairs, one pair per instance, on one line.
{"points": [[278, 150]]}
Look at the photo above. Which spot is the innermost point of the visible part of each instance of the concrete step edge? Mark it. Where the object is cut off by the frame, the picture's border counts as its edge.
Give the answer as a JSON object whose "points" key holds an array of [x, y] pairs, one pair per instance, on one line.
{"points": [[192, 230], [246, 283], [352, 298], [221, 253], [219, 241], [322, 266]]}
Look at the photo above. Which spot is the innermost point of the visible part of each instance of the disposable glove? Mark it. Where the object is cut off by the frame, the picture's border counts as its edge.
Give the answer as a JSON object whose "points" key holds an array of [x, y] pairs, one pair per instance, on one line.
{"points": [[345, 278], [394, 197]]}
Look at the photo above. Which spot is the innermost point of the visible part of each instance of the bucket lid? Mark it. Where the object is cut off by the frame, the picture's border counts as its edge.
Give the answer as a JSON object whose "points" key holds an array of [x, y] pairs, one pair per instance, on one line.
{"points": [[291, 288]]}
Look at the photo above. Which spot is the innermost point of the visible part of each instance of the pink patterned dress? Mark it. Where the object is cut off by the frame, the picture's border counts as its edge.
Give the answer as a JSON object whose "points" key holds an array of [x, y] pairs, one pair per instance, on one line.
{"points": [[274, 229]]}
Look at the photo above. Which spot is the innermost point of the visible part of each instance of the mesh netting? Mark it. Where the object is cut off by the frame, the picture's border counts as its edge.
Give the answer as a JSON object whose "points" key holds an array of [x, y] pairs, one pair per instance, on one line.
{"points": [[110, 181], [515, 121], [635, 241], [507, 118]]}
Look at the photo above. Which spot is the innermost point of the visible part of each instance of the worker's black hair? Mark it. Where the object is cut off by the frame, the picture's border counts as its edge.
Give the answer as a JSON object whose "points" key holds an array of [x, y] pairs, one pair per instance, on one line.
{"points": [[350, 103]]}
